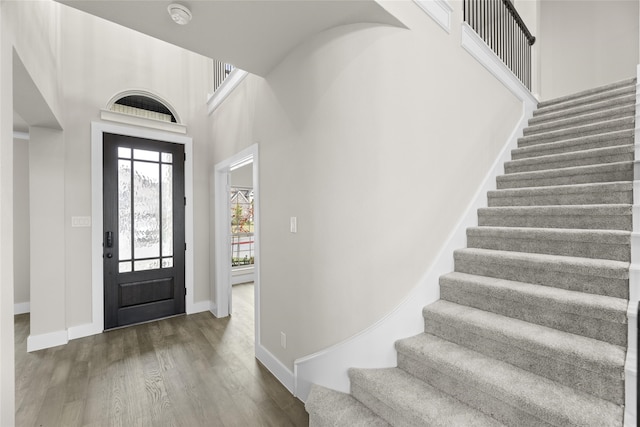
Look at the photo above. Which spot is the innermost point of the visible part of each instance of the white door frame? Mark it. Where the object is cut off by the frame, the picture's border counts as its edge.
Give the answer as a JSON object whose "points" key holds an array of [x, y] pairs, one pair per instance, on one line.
{"points": [[222, 215], [97, 232]]}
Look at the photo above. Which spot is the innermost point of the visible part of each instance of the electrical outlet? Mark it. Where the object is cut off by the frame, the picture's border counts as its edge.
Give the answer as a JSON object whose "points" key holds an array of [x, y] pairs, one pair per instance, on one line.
{"points": [[283, 340]]}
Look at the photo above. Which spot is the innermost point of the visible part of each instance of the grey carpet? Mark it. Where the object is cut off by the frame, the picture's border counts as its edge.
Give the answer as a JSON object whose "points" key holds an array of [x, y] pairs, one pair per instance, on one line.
{"points": [[531, 327]]}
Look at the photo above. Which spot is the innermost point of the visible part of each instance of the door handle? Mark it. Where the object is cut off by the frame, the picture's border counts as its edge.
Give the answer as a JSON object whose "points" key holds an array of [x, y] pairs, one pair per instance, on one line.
{"points": [[109, 239], [109, 255]]}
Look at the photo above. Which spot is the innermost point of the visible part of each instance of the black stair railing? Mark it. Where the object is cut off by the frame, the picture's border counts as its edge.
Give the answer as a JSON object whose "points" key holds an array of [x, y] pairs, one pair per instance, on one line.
{"points": [[220, 72], [502, 28]]}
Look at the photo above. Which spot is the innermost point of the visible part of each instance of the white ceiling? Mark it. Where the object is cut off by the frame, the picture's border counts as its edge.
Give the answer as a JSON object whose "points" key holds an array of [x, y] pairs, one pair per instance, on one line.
{"points": [[252, 35]]}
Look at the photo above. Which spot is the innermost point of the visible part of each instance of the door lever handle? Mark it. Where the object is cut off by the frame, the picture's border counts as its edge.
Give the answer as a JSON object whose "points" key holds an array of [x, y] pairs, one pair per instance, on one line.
{"points": [[109, 239]]}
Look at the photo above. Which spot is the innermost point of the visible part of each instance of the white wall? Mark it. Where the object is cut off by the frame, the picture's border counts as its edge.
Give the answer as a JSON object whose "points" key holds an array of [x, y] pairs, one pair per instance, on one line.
{"points": [[21, 235], [376, 138], [35, 31], [7, 362], [101, 60], [31, 28], [584, 44], [46, 199]]}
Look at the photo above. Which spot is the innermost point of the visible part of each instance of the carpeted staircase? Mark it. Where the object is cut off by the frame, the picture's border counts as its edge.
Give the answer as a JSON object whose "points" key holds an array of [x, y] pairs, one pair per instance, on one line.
{"points": [[531, 327]]}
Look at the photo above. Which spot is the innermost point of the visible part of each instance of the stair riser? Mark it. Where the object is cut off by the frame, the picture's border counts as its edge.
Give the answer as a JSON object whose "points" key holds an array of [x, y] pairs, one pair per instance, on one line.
{"points": [[612, 197], [572, 146], [617, 252], [594, 222], [578, 132], [620, 101], [393, 417], [539, 275], [537, 312], [555, 368], [563, 104], [469, 392], [619, 113], [543, 180], [515, 167]]}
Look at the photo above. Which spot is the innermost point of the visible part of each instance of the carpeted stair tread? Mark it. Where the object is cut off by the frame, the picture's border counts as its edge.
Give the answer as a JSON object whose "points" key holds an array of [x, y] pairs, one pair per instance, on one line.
{"points": [[626, 86], [403, 400], [609, 172], [578, 120], [510, 394], [597, 317], [330, 408], [595, 276], [584, 130], [594, 156], [540, 116], [603, 244], [587, 364], [608, 139], [603, 217], [577, 194], [531, 328]]}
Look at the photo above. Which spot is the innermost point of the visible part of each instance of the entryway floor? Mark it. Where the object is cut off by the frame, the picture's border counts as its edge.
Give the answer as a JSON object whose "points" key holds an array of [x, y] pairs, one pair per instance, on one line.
{"points": [[190, 371]]}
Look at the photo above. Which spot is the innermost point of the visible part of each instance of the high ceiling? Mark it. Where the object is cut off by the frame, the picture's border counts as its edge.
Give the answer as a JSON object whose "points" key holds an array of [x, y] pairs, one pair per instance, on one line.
{"points": [[252, 35]]}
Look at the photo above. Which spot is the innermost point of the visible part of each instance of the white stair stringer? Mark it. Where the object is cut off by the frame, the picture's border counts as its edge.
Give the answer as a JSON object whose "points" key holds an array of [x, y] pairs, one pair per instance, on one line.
{"points": [[631, 364]]}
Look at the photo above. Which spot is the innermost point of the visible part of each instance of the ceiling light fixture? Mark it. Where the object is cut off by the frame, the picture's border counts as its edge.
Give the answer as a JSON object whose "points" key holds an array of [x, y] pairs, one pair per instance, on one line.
{"points": [[180, 14]]}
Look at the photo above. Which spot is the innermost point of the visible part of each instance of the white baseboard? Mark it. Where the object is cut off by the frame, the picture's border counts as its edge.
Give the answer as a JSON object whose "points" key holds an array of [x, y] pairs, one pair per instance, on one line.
{"points": [[281, 372], [85, 330], [242, 278], [42, 341], [199, 307], [21, 308]]}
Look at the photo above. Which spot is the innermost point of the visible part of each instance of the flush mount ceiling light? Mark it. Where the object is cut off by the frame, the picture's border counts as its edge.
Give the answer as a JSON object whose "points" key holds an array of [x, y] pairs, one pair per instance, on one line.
{"points": [[179, 13]]}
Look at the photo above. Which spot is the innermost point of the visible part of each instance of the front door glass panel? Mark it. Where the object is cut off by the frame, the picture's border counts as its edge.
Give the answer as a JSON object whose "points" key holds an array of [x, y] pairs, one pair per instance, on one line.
{"points": [[145, 210]]}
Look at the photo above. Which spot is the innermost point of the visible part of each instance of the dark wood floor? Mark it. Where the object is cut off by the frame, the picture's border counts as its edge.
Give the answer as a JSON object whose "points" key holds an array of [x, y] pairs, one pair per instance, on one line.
{"points": [[185, 371]]}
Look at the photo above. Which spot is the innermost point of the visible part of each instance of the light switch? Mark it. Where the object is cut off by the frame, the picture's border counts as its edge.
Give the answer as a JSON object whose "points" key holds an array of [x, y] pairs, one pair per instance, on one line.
{"points": [[294, 224], [81, 221]]}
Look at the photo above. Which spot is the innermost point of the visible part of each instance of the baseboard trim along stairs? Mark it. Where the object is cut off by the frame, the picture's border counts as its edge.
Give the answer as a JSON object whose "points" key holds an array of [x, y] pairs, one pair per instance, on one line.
{"points": [[532, 326]]}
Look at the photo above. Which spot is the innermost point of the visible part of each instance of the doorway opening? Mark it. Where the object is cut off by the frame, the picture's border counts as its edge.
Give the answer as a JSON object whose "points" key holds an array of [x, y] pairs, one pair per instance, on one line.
{"points": [[237, 232], [241, 199], [98, 236]]}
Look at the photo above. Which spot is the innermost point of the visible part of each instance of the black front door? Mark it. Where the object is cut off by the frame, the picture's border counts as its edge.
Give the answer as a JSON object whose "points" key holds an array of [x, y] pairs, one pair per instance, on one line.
{"points": [[143, 230]]}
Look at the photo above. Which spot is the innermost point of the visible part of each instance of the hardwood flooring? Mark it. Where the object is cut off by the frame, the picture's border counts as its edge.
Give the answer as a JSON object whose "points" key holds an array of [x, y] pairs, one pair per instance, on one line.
{"points": [[187, 371]]}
